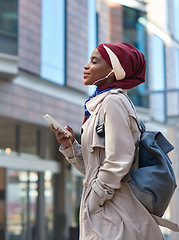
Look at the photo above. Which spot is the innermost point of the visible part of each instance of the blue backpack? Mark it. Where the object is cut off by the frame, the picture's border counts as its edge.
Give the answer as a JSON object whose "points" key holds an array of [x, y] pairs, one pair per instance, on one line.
{"points": [[153, 180]]}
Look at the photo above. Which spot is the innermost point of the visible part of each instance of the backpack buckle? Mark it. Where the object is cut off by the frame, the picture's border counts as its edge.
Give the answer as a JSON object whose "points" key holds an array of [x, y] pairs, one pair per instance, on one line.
{"points": [[100, 130]]}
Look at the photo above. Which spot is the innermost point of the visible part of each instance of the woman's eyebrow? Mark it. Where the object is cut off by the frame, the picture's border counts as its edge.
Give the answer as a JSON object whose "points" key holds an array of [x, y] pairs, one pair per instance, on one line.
{"points": [[94, 57]]}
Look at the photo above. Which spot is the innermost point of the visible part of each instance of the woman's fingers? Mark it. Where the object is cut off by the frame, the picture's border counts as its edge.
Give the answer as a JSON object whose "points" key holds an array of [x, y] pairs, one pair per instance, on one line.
{"points": [[52, 127], [72, 136], [61, 136]]}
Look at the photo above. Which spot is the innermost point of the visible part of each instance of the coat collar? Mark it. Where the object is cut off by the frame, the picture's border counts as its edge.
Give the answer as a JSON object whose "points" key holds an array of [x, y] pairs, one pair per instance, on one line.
{"points": [[94, 104]]}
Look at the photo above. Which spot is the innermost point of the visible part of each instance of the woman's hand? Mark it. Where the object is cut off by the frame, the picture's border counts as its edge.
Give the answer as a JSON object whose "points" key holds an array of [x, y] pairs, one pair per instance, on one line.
{"points": [[61, 136], [94, 202]]}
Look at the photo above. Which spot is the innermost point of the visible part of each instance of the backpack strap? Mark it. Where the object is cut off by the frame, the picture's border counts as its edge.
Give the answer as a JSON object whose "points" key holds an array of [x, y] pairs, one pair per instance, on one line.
{"points": [[100, 129], [140, 123], [166, 223]]}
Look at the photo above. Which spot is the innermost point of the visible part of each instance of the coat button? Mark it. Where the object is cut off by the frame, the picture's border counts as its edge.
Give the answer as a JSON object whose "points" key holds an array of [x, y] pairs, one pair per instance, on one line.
{"points": [[85, 184], [91, 148]]}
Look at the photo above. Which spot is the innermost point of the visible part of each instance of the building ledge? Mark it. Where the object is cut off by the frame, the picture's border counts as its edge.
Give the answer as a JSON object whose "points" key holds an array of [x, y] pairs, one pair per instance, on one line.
{"points": [[30, 164], [8, 66], [137, 4], [36, 83]]}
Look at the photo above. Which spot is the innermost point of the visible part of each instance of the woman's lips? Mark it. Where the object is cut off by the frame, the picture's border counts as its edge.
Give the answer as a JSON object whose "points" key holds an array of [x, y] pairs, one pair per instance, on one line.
{"points": [[85, 74]]}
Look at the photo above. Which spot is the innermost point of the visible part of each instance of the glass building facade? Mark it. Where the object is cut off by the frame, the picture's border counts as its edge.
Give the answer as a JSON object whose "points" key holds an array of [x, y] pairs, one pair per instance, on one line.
{"points": [[134, 32], [23, 201], [53, 41], [26, 196], [39, 190], [8, 26]]}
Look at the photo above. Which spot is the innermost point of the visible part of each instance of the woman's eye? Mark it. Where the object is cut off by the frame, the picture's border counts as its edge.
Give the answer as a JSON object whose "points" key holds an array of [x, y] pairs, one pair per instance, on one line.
{"points": [[94, 62]]}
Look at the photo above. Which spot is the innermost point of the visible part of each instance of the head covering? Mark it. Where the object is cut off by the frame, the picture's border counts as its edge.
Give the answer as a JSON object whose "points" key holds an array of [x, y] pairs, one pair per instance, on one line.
{"points": [[127, 62]]}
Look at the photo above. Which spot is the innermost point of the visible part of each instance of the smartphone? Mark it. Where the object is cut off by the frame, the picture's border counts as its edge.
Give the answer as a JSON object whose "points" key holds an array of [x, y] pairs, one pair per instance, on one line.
{"points": [[56, 125]]}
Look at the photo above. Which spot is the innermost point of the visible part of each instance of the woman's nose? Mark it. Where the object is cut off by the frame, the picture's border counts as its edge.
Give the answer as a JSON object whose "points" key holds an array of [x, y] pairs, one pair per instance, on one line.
{"points": [[86, 66]]}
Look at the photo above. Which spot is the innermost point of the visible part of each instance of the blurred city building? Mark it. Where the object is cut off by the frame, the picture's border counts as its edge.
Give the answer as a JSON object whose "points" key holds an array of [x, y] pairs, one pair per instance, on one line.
{"points": [[43, 48]]}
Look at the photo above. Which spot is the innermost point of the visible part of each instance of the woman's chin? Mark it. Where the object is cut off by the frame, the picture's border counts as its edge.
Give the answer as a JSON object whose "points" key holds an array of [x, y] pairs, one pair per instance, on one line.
{"points": [[86, 82]]}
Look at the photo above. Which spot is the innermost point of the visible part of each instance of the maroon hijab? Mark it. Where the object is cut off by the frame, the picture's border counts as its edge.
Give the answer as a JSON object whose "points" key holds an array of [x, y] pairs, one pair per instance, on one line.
{"points": [[132, 61]]}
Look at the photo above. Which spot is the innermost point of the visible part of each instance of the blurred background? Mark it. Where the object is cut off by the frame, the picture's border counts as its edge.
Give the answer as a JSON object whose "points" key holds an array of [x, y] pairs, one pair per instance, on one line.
{"points": [[44, 45]]}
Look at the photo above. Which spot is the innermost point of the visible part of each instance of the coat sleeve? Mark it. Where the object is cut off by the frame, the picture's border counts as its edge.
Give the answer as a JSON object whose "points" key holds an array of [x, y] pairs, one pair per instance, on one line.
{"points": [[119, 148], [74, 156]]}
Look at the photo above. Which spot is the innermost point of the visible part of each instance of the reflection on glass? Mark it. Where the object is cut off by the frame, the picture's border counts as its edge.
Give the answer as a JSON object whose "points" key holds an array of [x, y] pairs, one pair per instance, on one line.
{"points": [[49, 144], [134, 32], [33, 195], [22, 196], [23, 206], [8, 26], [17, 205], [28, 141], [7, 139], [48, 184], [2, 203], [158, 104]]}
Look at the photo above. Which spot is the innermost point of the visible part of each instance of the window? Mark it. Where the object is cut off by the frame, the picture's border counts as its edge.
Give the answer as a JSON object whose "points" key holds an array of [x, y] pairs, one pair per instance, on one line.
{"points": [[158, 79], [26, 140], [53, 41], [2, 203], [172, 94], [158, 75], [92, 26], [92, 33], [134, 32], [158, 107], [130, 19], [28, 195], [49, 204], [176, 19], [17, 198], [8, 26], [7, 144], [177, 68]]}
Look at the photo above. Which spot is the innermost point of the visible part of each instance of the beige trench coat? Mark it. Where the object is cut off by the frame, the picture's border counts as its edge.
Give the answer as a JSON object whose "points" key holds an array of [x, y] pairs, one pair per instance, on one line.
{"points": [[109, 210]]}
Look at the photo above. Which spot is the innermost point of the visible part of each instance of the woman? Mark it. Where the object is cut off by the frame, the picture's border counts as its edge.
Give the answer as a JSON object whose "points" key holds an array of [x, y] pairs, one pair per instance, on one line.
{"points": [[109, 210]]}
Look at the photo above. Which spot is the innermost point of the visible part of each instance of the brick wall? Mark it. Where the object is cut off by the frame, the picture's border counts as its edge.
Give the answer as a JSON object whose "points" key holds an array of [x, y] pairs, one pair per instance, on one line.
{"points": [[115, 22], [29, 106], [30, 35], [77, 42], [103, 22], [110, 26]]}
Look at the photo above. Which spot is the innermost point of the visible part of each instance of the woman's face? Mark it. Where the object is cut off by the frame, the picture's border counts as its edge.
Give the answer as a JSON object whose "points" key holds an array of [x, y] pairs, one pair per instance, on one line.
{"points": [[96, 69]]}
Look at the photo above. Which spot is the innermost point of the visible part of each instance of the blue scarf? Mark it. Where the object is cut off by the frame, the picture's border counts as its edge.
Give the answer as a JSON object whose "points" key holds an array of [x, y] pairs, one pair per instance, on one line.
{"points": [[96, 92]]}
